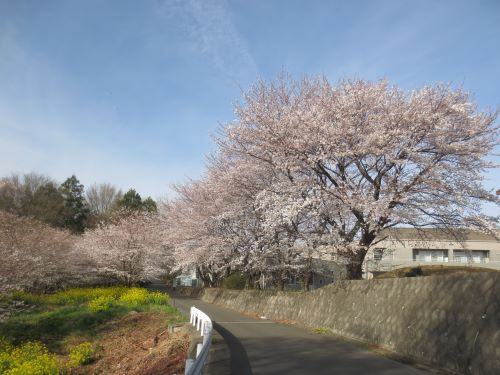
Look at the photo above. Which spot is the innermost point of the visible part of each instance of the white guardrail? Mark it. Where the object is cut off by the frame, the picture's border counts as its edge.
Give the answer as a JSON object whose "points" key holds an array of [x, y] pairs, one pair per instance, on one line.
{"points": [[203, 324]]}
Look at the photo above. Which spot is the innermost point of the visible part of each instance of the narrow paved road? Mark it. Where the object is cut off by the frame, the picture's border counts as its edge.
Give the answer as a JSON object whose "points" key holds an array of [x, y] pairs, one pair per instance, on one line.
{"points": [[265, 347]]}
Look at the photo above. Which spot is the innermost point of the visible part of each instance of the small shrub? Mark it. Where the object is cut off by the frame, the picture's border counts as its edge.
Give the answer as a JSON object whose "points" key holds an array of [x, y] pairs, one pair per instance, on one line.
{"points": [[5, 346], [45, 364], [114, 292], [77, 296], [30, 358], [28, 298], [134, 297], [158, 298], [415, 272], [102, 303], [28, 351], [234, 281], [322, 331], [5, 360], [68, 297], [82, 354]]}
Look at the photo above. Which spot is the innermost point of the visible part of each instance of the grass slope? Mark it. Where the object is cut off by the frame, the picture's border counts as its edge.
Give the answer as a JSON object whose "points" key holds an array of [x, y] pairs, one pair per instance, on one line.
{"points": [[61, 321]]}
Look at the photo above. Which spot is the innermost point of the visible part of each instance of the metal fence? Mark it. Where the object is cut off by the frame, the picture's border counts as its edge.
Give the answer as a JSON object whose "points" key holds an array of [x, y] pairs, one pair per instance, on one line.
{"points": [[203, 324]]}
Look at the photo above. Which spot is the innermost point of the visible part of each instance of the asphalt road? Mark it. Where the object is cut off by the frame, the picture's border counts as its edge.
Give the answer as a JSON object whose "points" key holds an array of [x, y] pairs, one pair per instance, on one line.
{"points": [[258, 346]]}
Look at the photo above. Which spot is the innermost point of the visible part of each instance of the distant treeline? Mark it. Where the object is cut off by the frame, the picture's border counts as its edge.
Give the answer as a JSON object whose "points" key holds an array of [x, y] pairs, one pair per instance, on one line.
{"points": [[68, 205]]}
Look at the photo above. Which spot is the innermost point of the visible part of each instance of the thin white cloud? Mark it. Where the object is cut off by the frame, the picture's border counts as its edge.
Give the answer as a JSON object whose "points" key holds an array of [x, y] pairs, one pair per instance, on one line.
{"points": [[209, 28]]}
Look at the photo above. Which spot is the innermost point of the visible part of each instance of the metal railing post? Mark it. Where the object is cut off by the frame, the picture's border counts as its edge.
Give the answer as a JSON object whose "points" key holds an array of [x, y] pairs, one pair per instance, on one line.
{"points": [[203, 324]]}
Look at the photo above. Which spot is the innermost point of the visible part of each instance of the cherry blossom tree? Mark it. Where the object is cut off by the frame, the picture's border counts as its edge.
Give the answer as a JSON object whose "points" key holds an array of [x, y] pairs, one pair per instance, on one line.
{"points": [[366, 156], [35, 256], [193, 233], [129, 250], [213, 224], [220, 224], [309, 169]]}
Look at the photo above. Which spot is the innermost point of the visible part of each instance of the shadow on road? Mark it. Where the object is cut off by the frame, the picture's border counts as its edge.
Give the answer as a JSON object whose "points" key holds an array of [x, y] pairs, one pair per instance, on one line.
{"points": [[239, 363], [257, 347]]}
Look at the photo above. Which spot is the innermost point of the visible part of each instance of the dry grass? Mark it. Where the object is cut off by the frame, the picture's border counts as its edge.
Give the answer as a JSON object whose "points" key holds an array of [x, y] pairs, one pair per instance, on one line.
{"points": [[139, 344]]}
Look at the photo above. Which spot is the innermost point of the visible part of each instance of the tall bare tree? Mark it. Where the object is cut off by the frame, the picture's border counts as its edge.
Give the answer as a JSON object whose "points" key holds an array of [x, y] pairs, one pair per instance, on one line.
{"points": [[101, 198], [16, 189]]}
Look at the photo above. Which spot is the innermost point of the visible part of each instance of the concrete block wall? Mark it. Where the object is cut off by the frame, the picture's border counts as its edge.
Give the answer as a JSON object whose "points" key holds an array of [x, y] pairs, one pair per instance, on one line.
{"points": [[451, 321]]}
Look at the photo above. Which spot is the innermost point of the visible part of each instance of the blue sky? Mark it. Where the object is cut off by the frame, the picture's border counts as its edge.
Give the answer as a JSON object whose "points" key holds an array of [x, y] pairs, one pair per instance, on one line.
{"points": [[128, 91]]}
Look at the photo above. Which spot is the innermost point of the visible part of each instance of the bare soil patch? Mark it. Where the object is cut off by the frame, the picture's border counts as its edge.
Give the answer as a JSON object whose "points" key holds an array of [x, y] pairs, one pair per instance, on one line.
{"points": [[139, 344]]}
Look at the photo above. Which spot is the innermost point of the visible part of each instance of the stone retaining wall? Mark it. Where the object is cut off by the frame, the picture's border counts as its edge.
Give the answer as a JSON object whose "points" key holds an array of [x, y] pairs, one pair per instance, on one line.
{"points": [[450, 321]]}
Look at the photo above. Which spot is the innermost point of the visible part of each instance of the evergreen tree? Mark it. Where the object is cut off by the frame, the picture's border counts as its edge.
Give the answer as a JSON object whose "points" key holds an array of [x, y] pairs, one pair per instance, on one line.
{"points": [[149, 205], [132, 201], [76, 211]]}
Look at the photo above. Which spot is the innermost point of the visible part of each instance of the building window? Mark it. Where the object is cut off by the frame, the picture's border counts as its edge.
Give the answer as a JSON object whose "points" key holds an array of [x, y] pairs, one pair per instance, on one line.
{"points": [[292, 279], [378, 254], [471, 256], [437, 256]]}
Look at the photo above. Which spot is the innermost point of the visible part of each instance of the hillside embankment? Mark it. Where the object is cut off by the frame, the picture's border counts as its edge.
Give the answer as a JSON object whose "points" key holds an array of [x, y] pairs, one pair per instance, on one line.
{"points": [[449, 321]]}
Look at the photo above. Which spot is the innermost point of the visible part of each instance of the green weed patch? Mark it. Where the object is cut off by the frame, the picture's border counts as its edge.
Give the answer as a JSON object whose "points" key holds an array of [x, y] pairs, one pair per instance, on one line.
{"points": [[82, 354], [26, 338], [322, 331]]}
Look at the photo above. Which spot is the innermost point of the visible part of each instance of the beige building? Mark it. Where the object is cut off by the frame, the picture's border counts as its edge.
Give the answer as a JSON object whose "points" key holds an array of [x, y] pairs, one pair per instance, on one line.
{"points": [[408, 247]]}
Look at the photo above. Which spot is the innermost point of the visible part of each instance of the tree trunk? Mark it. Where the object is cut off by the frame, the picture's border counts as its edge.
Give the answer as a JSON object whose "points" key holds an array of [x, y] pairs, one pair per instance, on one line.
{"points": [[257, 283], [204, 277], [249, 280], [281, 281], [355, 265], [307, 274], [355, 270], [306, 279]]}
